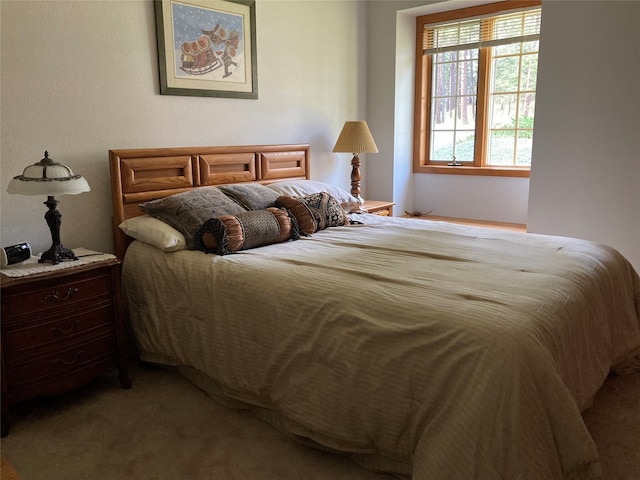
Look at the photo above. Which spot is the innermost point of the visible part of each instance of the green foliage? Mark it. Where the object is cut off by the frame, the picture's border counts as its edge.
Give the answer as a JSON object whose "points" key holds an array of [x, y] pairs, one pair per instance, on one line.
{"points": [[507, 130], [501, 151]]}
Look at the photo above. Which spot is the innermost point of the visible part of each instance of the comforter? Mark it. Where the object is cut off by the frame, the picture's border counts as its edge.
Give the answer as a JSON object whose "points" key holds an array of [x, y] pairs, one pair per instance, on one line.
{"points": [[417, 347]]}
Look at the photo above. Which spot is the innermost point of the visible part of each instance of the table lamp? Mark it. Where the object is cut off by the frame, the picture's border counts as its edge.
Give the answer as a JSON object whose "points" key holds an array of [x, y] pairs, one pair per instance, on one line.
{"points": [[355, 138], [48, 177]]}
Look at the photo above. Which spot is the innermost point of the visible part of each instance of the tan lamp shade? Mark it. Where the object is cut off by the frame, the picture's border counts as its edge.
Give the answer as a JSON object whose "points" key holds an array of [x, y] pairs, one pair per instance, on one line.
{"points": [[355, 138]]}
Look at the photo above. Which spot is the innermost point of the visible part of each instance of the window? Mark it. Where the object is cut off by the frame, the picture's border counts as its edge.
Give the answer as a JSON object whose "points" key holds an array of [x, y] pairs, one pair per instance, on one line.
{"points": [[476, 71]]}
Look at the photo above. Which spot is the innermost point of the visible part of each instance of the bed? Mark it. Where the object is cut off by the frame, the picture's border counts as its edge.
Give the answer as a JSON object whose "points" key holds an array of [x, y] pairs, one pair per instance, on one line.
{"points": [[419, 348]]}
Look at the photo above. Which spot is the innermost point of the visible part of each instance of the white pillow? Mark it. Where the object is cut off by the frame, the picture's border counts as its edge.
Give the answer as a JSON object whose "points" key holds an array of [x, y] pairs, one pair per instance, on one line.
{"points": [[155, 232], [299, 188]]}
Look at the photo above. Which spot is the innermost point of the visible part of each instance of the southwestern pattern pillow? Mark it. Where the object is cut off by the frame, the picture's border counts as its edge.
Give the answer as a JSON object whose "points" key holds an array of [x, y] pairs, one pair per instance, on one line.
{"points": [[252, 196], [188, 210], [255, 228], [315, 212], [300, 188]]}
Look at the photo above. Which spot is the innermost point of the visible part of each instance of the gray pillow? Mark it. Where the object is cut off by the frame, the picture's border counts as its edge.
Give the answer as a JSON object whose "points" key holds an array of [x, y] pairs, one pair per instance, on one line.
{"points": [[187, 211], [252, 196]]}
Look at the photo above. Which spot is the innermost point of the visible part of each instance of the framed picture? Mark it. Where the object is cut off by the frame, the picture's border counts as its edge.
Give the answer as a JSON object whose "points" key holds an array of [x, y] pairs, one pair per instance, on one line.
{"points": [[207, 48]]}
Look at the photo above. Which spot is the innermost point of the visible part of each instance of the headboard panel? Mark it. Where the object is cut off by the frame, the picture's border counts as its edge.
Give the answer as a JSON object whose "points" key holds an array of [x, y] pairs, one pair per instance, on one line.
{"points": [[221, 168], [139, 175]]}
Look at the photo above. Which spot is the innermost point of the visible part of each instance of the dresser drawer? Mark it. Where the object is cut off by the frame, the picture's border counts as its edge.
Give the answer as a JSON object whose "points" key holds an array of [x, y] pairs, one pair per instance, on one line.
{"points": [[66, 292], [51, 364], [59, 329], [385, 212]]}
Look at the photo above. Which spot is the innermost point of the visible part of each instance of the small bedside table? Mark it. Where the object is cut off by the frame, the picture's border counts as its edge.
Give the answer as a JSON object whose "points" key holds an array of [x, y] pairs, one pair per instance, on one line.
{"points": [[60, 329], [378, 207]]}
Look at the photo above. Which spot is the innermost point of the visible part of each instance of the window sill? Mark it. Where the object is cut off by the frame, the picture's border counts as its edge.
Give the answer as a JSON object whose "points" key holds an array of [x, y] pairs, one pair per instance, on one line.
{"points": [[481, 171]]}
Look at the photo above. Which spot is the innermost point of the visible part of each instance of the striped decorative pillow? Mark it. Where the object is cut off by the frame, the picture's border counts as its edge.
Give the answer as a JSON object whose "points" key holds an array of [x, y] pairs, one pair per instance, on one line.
{"points": [[256, 228]]}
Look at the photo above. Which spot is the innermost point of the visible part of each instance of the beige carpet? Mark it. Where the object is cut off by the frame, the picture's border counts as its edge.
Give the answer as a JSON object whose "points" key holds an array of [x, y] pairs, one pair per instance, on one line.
{"points": [[164, 428]]}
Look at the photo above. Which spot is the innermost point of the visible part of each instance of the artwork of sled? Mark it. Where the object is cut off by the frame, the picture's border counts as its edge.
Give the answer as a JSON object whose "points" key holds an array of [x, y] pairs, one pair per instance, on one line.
{"points": [[207, 48]]}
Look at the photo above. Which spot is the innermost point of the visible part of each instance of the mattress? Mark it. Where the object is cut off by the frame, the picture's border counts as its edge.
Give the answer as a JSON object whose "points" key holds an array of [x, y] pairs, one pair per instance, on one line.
{"points": [[418, 347]]}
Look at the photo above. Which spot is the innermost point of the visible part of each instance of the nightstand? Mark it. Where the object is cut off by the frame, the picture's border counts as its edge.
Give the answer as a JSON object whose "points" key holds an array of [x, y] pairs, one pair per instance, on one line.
{"points": [[378, 207], [60, 329]]}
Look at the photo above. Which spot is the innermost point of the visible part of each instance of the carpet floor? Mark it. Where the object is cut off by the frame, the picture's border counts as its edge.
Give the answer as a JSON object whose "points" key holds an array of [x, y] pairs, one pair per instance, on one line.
{"points": [[165, 428]]}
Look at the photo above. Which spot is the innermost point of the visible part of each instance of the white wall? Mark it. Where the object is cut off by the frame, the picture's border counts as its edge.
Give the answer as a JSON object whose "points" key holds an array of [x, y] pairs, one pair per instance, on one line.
{"points": [[489, 198], [585, 179], [80, 78]]}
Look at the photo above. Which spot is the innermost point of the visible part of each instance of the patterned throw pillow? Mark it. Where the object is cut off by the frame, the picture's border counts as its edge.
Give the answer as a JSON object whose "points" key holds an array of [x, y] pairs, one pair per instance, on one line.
{"points": [[252, 196], [315, 212], [255, 228], [300, 188], [187, 211]]}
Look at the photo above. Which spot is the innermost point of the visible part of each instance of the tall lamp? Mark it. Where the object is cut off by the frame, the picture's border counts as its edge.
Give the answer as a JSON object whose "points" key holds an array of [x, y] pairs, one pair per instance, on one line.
{"points": [[50, 178], [355, 138]]}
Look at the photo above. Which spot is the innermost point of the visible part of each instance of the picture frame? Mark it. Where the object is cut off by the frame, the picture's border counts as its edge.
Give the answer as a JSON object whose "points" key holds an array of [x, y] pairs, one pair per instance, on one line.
{"points": [[207, 48]]}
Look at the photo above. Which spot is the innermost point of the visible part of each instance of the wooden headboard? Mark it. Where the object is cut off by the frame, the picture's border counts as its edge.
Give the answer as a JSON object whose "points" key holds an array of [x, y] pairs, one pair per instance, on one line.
{"points": [[139, 175]]}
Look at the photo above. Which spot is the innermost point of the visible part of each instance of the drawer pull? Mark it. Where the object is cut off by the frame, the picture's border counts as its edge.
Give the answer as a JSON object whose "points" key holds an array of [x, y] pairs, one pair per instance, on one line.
{"points": [[65, 331], [71, 291], [69, 361]]}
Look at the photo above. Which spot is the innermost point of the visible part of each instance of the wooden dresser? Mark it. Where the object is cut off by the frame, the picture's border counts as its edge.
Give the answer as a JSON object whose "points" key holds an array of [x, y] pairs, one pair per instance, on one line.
{"points": [[59, 330]]}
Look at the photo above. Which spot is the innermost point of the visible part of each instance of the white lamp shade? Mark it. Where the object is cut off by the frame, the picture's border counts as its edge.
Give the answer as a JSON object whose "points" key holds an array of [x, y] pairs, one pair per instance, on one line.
{"points": [[49, 178]]}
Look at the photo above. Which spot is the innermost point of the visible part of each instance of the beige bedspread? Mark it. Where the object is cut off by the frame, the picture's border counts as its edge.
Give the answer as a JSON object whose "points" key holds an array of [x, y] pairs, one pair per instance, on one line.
{"points": [[450, 352]]}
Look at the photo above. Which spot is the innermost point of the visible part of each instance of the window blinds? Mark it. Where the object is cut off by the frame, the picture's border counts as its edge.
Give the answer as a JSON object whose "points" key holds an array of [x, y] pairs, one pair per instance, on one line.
{"points": [[491, 31]]}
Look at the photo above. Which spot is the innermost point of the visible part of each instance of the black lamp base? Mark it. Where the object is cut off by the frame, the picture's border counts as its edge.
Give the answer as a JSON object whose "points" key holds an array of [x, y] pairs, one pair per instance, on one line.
{"points": [[56, 253]]}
